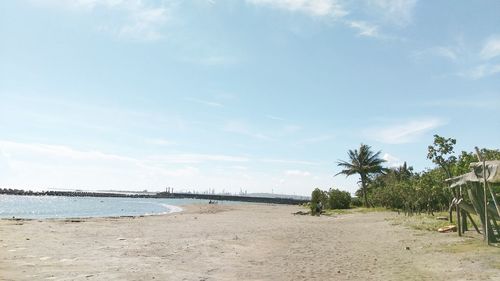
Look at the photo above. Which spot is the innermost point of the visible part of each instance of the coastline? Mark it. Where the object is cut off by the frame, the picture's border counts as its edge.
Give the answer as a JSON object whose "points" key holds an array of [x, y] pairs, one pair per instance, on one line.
{"points": [[174, 209], [33, 207], [233, 242]]}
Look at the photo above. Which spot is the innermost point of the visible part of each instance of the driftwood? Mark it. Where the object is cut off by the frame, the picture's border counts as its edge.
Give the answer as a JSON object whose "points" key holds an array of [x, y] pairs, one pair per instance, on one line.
{"points": [[302, 213], [449, 228]]}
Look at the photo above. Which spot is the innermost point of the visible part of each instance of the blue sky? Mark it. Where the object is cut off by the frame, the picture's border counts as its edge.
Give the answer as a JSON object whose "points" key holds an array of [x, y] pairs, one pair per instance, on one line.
{"points": [[257, 95]]}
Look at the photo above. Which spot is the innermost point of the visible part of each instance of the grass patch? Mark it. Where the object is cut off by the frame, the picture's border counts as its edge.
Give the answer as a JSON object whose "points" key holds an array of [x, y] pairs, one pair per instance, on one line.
{"points": [[420, 222], [468, 246], [364, 210], [359, 210], [333, 212]]}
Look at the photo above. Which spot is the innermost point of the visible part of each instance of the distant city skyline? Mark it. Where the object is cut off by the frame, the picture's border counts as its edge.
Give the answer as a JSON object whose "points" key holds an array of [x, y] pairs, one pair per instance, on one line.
{"points": [[257, 95]]}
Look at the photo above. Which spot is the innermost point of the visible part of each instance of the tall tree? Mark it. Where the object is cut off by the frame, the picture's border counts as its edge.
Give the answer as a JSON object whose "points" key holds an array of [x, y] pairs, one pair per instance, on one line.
{"points": [[364, 163], [441, 153]]}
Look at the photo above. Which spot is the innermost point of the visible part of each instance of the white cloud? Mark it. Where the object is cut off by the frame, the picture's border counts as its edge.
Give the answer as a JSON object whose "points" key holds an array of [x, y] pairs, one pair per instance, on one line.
{"points": [[45, 166], [364, 28], [133, 19], [297, 173], [144, 23], [474, 65], [398, 12], [318, 8], [392, 161], [491, 48], [404, 133], [58, 151], [481, 71], [445, 52], [393, 12], [36, 165]]}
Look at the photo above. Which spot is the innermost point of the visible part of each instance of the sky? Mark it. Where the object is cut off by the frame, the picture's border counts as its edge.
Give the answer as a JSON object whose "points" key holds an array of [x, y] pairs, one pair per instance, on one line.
{"points": [[238, 95]]}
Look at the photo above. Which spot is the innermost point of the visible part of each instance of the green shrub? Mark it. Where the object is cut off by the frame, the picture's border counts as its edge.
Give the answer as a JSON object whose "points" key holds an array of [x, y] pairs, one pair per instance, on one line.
{"points": [[318, 196], [338, 199], [356, 202]]}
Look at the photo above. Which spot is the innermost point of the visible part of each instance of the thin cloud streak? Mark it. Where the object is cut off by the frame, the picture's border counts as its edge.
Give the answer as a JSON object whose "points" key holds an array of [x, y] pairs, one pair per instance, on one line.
{"points": [[449, 53], [398, 12], [491, 48], [138, 21], [205, 102], [480, 102], [297, 173], [406, 132], [364, 28], [242, 129], [316, 8], [481, 71], [277, 118]]}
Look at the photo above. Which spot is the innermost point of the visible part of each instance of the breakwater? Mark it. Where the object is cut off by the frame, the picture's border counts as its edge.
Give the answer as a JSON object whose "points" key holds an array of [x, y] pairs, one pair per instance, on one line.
{"points": [[214, 197]]}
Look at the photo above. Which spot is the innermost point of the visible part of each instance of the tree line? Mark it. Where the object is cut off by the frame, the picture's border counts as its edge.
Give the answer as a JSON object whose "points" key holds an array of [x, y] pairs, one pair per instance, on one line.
{"points": [[401, 187]]}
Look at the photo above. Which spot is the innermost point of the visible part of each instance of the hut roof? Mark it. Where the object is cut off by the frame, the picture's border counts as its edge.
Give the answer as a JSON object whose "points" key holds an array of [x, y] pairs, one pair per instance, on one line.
{"points": [[476, 175]]}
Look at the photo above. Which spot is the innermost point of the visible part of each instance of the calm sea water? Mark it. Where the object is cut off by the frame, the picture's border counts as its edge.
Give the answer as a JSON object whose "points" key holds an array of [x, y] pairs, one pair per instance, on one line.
{"points": [[38, 207]]}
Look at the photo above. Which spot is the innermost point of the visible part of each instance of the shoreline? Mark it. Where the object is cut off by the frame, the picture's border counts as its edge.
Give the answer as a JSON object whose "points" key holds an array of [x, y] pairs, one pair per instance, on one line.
{"points": [[176, 209], [93, 217]]}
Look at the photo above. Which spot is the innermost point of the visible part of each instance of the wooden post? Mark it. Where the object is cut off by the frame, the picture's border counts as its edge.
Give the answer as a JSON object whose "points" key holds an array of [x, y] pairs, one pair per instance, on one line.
{"points": [[486, 236], [463, 215], [473, 223], [457, 210]]}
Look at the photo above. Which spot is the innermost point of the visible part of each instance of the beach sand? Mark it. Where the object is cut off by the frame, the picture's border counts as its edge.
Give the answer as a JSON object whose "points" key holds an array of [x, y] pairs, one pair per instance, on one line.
{"points": [[237, 242]]}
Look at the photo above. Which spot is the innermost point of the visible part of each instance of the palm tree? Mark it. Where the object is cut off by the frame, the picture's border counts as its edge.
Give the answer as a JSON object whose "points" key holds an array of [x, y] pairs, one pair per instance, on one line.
{"points": [[363, 162]]}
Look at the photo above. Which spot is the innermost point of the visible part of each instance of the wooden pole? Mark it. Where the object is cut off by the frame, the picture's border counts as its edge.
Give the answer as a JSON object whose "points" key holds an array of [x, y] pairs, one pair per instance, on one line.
{"points": [[463, 215], [486, 222], [473, 223], [459, 221]]}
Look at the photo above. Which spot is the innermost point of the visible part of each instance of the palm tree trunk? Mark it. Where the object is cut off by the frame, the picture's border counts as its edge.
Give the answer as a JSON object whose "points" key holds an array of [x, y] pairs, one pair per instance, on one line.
{"points": [[363, 188]]}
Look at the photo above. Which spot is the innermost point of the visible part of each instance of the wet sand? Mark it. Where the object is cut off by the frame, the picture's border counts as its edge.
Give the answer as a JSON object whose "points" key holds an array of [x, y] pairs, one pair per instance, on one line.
{"points": [[237, 242]]}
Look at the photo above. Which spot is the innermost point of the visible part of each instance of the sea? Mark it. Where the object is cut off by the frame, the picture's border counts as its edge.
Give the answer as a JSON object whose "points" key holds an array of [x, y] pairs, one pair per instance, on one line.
{"points": [[48, 207]]}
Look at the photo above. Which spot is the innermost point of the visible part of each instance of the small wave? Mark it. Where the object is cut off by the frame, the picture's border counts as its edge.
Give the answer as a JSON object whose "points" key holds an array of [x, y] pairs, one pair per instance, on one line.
{"points": [[172, 209]]}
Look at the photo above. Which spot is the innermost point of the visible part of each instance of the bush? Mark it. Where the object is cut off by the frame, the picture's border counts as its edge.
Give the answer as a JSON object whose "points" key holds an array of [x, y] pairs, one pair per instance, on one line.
{"points": [[338, 199], [356, 202], [318, 196]]}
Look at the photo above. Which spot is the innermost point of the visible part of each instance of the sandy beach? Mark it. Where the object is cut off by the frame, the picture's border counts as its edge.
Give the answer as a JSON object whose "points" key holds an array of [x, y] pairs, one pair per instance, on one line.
{"points": [[237, 242]]}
